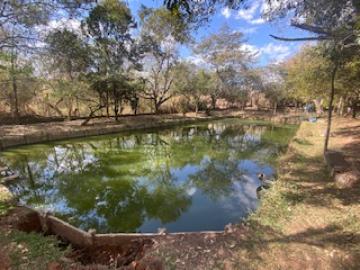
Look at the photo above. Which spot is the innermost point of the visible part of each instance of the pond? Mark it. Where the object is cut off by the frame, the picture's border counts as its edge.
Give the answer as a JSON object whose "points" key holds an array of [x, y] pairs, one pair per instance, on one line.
{"points": [[184, 178]]}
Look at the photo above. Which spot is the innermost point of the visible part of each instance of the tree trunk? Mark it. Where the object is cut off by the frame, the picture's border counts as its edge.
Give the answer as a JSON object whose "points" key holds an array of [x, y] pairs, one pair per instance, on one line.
{"points": [[197, 101], [15, 111], [341, 106], [213, 102], [107, 104], [116, 108], [331, 100], [275, 108], [156, 106], [92, 113], [70, 109], [354, 109]]}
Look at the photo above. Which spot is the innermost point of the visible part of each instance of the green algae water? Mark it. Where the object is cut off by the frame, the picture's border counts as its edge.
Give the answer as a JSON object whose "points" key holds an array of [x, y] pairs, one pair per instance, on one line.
{"points": [[185, 178]]}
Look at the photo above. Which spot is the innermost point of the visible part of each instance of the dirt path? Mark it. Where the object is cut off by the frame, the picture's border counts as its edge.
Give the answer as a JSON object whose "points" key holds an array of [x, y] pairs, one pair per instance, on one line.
{"points": [[305, 222]]}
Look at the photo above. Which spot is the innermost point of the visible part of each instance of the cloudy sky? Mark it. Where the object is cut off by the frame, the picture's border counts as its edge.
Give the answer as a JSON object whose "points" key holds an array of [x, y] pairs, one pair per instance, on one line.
{"points": [[248, 21]]}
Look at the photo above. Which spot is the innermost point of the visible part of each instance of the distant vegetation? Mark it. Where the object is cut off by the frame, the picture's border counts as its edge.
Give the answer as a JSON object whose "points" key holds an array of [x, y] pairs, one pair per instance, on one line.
{"points": [[81, 58]]}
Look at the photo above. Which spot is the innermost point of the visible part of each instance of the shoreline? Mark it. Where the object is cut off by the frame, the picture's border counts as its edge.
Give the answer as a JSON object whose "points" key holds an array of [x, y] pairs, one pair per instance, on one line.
{"points": [[16, 135]]}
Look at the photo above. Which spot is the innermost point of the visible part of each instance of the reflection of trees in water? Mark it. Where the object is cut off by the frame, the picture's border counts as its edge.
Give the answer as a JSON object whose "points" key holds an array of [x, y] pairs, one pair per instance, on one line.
{"points": [[215, 177], [117, 182]]}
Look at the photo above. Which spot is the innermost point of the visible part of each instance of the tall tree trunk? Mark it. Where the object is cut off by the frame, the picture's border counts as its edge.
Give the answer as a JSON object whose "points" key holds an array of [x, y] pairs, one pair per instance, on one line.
{"points": [[213, 102], [15, 111], [275, 107], [70, 108], [107, 104], [331, 100], [340, 106], [354, 109], [156, 106]]}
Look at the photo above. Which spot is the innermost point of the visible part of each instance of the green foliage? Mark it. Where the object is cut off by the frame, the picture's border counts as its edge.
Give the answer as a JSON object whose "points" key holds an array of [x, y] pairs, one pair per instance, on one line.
{"points": [[162, 23], [71, 60], [224, 52], [308, 75]]}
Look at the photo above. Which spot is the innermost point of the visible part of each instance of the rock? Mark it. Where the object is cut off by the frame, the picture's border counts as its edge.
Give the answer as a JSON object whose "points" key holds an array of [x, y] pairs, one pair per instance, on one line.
{"points": [[161, 231], [348, 179], [229, 228], [336, 162]]}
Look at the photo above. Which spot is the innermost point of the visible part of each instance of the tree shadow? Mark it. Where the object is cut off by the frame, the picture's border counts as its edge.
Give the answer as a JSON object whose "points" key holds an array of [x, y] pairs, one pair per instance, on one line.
{"points": [[309, 243], [312, 184]]}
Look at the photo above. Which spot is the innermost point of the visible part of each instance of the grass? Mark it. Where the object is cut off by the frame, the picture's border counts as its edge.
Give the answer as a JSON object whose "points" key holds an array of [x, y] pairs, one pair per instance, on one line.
{"points": [[5, 200], [304, 206], [31, 250]]}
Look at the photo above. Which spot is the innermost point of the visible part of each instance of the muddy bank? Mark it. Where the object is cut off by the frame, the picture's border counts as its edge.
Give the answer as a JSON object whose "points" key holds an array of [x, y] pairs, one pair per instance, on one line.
{"points": [[15, 135]]}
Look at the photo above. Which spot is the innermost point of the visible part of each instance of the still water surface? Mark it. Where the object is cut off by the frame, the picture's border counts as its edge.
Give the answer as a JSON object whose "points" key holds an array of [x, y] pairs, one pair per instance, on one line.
{"points": [[185, 178]]}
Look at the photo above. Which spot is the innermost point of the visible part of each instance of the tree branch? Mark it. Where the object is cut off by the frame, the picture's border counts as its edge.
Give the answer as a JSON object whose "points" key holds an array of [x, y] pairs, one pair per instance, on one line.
{"points": [[301, 39]]}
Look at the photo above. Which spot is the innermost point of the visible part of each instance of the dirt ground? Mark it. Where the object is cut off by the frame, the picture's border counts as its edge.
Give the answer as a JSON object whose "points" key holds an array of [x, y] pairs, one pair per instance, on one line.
{"points": [[304, 221]]}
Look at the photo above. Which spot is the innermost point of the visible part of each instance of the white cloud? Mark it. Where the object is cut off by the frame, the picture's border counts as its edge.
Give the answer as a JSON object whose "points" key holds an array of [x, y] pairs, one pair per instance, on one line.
{"points": [[196, 59], [226, 12], [248, 13], [253, 50], [247, 30], [257, 21], [69, 24], [275, 52]]}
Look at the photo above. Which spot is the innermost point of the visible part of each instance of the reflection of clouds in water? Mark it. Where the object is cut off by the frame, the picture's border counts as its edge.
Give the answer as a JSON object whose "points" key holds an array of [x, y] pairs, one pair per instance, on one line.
{"points": [[191, 191], [66, 160], [218, 128], [243, 196], [243, 193]]}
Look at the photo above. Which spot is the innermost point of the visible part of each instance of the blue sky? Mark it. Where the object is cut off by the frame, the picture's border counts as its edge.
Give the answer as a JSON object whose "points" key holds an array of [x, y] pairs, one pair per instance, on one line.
{"points": [[247, 20]]}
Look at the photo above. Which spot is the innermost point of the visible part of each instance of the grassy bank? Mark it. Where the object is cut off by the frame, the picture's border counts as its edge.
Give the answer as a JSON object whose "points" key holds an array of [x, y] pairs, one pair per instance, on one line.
{"points": [[304, 221]]}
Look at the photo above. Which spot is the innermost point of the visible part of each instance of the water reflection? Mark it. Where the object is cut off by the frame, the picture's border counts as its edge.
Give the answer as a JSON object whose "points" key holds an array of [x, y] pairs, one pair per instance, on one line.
{"points": [[185, 178]]}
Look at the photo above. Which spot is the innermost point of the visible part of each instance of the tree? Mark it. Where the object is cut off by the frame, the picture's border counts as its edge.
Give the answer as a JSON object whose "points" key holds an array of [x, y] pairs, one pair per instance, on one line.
{"points": [[17, 82], [331, 21], [349, 80], [195, 13], [193, 83], [160, 32], [307, 76], [115, 52], [67, 65], [225, 53], [19, 19], [274, 84]]}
